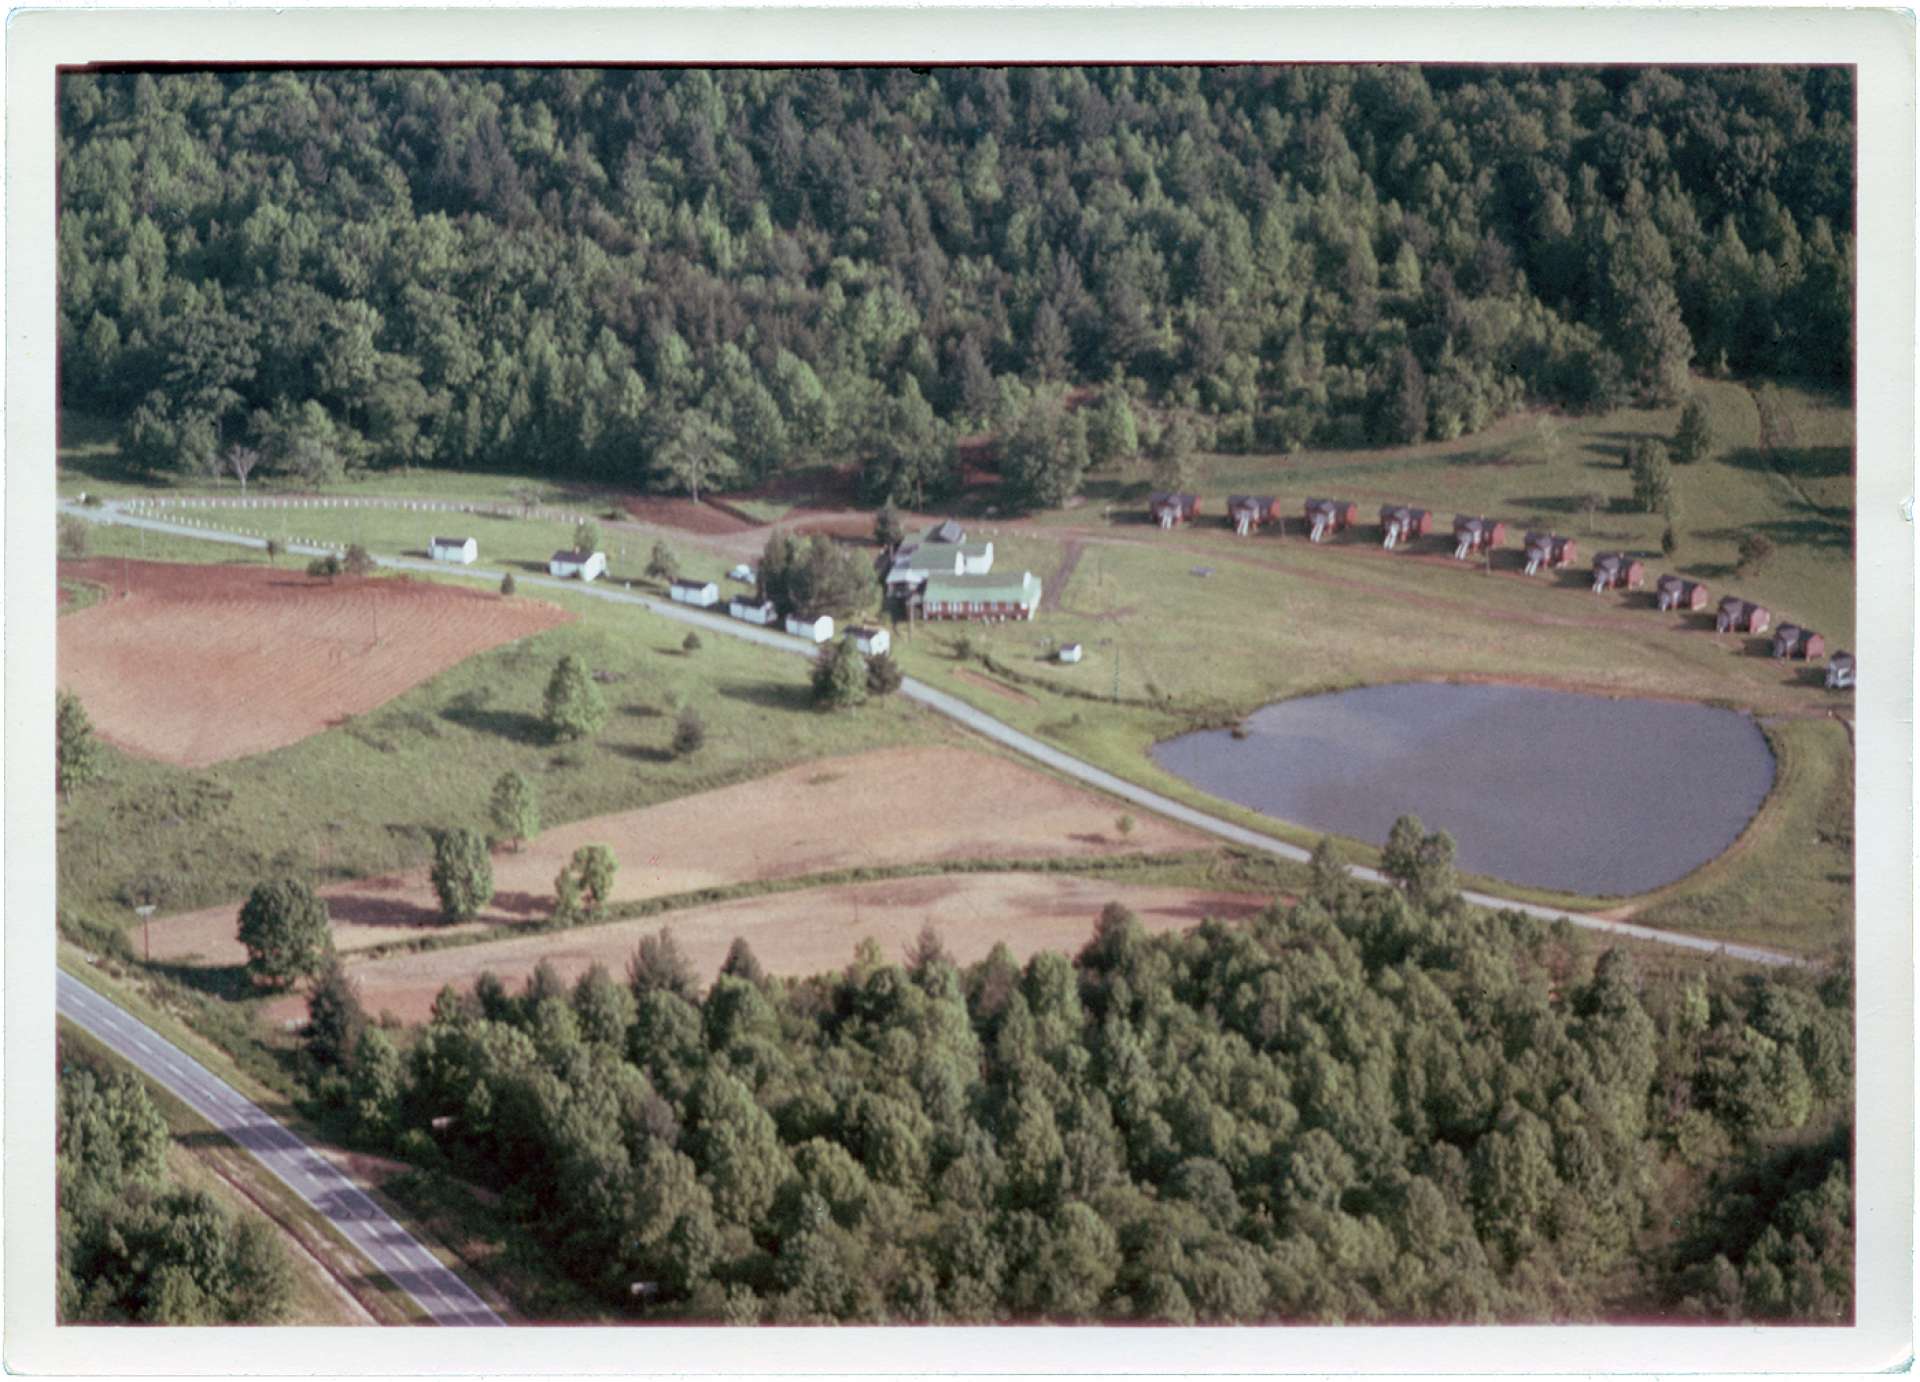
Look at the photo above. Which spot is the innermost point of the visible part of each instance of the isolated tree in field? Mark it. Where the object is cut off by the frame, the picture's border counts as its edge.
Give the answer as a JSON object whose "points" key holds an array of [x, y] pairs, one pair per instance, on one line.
{"points": [[886, 527], [662, 564], [839, 676], [285, 930], [1693, 440], [73, 537], [1652, 473], [327, 567], [358, 561], [275, 550], [883, 675], [508, 585], [689, 732], [76, 758], [690, 644], [1125, 825], [1754, 550], [574, 708], [335, 1017], [593, 869], [240, 460], [515, 808], [696, 451], [462, 873]]}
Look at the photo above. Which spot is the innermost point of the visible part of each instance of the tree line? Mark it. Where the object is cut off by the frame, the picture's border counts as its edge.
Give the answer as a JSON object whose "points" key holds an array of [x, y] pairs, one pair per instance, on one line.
{"points": [[1372, 1104], [691, 279]]}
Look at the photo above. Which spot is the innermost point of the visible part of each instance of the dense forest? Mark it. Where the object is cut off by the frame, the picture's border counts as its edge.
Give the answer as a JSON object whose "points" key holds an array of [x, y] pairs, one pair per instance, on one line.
{"points": [[1373, 1105], [670, 279], [135, 1246]]}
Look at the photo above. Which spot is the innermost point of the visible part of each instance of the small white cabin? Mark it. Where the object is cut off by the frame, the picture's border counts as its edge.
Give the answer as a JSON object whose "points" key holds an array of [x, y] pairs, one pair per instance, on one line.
{"points": [[705, 594], [585, 565], [814, 630], [464, 550], [1070, 653], [753, 611], [872, 642]]}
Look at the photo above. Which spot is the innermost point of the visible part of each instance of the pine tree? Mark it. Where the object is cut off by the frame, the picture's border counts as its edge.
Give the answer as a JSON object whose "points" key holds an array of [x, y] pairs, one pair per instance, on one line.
{"points": [[839, 676], [1693, 441]]}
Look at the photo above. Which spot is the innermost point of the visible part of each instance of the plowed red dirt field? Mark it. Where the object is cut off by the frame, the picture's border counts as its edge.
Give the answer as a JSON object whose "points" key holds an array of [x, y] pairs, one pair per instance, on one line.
{"points": [[887, 807], [807, 932], [198, 664]]}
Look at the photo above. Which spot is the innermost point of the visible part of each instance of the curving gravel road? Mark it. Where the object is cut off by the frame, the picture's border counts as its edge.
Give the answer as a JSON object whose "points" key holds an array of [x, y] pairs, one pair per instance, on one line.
{"points": [[444, 1296], [980, 722]]}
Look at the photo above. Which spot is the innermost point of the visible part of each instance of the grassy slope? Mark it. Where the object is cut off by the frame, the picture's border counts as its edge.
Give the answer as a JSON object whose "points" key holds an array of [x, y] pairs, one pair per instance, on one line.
{"points": [[361, 799]]}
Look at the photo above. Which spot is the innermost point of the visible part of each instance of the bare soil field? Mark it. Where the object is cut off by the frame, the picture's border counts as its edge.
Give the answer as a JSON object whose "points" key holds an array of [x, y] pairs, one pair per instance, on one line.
{"points": [[195, 665], [887, 807], [807, 932]]}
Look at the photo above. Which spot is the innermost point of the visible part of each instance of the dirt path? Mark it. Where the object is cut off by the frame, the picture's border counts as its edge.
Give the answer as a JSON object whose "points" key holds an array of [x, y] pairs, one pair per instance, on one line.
{"points": [[884, 808], [809, 932], [1056, 584]]}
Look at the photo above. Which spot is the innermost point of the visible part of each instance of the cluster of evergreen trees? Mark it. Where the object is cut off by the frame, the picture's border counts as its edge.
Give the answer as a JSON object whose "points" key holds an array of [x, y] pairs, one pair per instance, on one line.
{"points": [[134, 1246], [693, 278], [1377, 1104]]}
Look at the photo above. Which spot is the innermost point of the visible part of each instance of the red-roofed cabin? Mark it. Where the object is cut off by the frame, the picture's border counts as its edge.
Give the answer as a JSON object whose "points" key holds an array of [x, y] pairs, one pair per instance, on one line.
{"points": [[1326, 517], [1676, 592], [1472, 535], [1249, 511], [1171, 510], [1740, 616], [1617, 571], [1550, 550], [1399, 524]]}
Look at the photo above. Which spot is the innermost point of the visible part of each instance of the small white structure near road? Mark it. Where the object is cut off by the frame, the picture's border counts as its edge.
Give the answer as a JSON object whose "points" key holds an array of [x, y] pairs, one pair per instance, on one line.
{"points": [[1070, 652], [814, 630], [464, 550], [872, 642], [751, 609], [705, 594], [585, 565]]}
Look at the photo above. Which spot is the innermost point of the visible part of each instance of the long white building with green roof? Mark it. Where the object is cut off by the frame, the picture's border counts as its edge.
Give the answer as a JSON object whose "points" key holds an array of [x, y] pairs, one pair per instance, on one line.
{"points": [[988, 597]]}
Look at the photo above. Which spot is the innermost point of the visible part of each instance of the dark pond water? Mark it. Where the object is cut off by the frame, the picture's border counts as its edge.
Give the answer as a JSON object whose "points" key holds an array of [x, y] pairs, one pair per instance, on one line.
{"points": [[1545, 788]]}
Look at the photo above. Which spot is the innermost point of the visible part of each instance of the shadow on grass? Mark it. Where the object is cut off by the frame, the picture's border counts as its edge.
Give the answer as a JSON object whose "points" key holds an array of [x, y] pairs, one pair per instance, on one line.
{"points": [[769, 695], [644, 753], [642, 712], [231, 983], [516, 725]]}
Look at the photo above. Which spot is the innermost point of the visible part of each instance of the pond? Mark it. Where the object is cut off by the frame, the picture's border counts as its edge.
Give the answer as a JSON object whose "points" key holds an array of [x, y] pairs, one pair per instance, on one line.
{"points": [[1550, 789]]}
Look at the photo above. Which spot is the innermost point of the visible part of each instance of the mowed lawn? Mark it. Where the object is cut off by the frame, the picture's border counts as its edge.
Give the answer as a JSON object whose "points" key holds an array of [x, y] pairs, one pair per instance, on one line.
{"points": [[363, 798]]}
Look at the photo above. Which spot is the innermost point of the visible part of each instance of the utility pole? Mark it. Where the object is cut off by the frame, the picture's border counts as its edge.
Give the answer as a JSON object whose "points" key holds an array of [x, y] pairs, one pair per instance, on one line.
{"points": [[145, 912]]}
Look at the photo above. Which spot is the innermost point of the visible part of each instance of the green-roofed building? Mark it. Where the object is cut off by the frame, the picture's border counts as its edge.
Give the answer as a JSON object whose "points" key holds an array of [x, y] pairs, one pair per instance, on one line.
{"points": [[986, 597]]}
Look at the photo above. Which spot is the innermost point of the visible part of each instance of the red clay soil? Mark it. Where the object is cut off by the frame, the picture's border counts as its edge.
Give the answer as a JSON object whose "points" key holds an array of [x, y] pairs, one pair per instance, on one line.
{"points": [[806, 932], [884, 808], [702, 520], [199, 664]]}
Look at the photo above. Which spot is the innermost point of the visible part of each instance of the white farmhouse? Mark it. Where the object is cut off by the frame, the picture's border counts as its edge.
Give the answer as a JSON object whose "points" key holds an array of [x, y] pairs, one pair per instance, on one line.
{"points": [[942, 550], [464, 550], [687, 591], [813, 630], [585, 565]]}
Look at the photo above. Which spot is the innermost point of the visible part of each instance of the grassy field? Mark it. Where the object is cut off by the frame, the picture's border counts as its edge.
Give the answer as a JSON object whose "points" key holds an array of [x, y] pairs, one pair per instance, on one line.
{"points": [[362, 799], [201, 1158]]}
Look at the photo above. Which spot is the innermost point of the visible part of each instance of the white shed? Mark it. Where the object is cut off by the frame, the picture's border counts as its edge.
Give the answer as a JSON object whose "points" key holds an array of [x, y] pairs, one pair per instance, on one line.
{"points": [[585, 565], [872, 642], [753, 611], [461, 549], [1070, 652], [815, 630], [690, 592], [742, 572]]}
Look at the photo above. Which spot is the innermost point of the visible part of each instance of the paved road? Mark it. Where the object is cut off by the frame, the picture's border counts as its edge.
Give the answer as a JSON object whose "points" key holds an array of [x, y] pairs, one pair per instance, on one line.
{"points": [[982, 723], [445, 1298]]}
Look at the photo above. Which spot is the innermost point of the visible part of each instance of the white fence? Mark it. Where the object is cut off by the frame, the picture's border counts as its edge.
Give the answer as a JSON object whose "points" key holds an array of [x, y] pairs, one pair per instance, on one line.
{"points": [[171, 505]]}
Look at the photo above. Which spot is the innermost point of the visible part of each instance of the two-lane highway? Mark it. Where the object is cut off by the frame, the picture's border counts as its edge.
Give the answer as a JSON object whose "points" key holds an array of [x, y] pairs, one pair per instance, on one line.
{"points": [[444, 1296]]}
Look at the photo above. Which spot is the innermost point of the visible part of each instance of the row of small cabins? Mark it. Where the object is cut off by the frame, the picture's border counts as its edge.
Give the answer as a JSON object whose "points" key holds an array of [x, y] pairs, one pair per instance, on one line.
{"points": [[1476, 535]]}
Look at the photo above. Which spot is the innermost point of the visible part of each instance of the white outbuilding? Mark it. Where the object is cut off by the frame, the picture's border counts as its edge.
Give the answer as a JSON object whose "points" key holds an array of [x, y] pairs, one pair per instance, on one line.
{"points": [[752, 610], [1070, 652], [872, 642], [813, 630], [585, 565], [687, 591], [464, 550]]}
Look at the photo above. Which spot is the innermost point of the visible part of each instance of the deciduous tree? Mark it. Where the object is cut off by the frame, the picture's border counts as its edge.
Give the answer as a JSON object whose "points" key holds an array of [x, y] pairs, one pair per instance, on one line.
{"points": [[286, 931], [574, 707], [462, 873], [515, 808]]}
